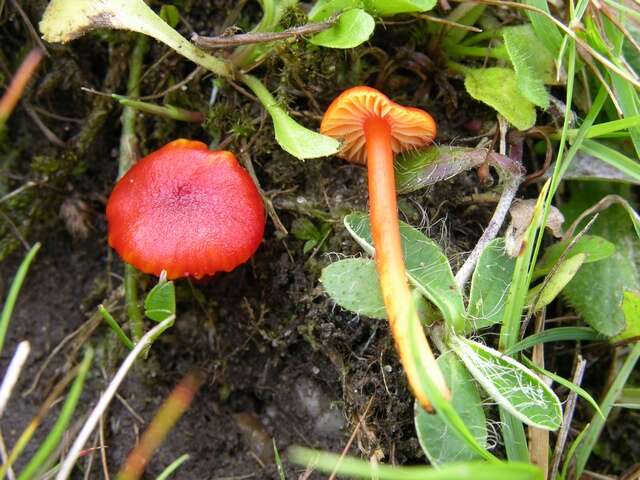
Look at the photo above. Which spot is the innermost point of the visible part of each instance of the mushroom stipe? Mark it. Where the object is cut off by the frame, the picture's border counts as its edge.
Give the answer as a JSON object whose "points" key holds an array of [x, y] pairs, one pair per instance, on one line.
{"points": [[372, 129], [187, 210]]}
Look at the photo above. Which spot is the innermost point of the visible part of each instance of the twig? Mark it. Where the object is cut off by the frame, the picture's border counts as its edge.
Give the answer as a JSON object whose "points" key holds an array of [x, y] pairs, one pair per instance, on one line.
{"points": [[32, 30], [568, 417], [4, 456], [46, 131], [512, 181], [351, 439], [13, 373], [105, 399], [103, 450], [448, 23], [224, 41]]}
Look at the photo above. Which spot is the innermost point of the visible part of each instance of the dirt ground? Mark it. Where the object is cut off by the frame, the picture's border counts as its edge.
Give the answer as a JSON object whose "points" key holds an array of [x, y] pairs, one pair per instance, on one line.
{"points": [[282, 363]]}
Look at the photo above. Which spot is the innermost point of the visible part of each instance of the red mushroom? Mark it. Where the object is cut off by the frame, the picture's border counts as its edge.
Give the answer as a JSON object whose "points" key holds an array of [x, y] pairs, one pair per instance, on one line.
{"points": [[187, 210], [372, 129]]}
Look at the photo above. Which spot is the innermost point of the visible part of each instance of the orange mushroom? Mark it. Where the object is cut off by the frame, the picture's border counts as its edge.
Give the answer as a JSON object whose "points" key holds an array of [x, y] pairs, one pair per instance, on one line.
{"points": [[373, 129]]}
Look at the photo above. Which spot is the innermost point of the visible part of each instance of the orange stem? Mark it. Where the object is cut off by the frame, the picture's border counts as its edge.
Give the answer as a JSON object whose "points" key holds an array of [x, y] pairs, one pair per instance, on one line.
{"points": [[20, 80], [385, 229], [170, 412]]}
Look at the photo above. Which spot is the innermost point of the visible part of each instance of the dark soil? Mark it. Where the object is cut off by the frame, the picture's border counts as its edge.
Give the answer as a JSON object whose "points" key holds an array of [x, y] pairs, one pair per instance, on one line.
{"points": [[282, 363]]}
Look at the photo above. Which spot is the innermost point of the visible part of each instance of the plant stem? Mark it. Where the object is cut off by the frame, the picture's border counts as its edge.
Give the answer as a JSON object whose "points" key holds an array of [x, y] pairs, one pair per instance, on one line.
{"points": [[129, 153], [20, 80], [224, 41], [511, 185], [169, 413], [166, 111], [499, 53], [385, 229], [115, 327]]}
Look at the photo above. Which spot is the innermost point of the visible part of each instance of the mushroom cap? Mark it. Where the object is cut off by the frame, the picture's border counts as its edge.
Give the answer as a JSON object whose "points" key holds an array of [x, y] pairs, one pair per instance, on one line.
{"points": [[344, 120], [187, 210]]}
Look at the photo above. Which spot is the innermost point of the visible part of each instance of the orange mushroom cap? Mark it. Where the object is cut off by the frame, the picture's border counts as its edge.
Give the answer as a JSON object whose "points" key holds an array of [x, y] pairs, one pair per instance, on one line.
{"points": [[345, 118], [187, 210]]}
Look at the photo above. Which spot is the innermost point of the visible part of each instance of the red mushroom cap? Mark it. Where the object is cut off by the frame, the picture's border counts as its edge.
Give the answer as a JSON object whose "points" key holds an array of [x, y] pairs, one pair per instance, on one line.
{"points": [[187, 210], [345, 118]]}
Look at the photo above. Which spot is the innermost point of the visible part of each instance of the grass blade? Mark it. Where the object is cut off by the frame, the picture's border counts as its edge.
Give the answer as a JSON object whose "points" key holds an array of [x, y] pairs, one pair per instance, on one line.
{"points": [[354, 467], [564, 382], [177, 463], [559, 334], [612, 157], [16, 285], [597, 423], [60, 427]]}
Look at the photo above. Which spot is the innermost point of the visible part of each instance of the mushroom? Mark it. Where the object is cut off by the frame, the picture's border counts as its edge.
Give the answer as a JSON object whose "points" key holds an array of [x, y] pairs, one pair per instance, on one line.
{"points": [[187, 210], [372, 129]]}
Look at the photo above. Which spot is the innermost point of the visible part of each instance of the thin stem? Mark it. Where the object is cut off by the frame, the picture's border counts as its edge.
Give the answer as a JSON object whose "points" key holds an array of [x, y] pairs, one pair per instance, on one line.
{"points": [[511, 185], [129, 153], [131, 299], [19, 82], [115, 327], [385, 230], [499, 53], [225, 41], [166, 111], [169, 413]]}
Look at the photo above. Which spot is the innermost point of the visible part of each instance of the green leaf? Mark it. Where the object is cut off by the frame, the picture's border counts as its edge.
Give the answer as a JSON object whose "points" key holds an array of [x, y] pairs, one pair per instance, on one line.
{"points": [[325, 9], [352, 28], [631, 312], [354, 285], [512, 385], [597, 290], [297, 140], [305, 229], [439, 442], [386, 7], [595, 248], [161, 301], [427, 266], [420, 168], [489, 285], [547, 291], [498, 88], [532, 62], [357, 468], [170, 14], [545, 29]]}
